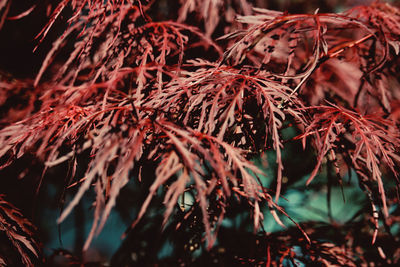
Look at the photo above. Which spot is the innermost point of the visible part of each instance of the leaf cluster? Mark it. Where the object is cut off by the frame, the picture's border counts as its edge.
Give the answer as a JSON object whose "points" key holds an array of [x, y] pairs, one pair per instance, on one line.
{"points": [[132, 91]]}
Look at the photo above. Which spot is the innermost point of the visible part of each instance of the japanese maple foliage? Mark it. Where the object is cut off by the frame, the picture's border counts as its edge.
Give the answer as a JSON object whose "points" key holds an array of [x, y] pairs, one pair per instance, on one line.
{"points": [[119, 93], [19, 232]]}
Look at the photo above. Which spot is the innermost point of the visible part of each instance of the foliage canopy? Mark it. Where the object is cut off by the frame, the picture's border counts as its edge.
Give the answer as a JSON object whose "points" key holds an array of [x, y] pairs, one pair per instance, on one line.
{"points": [[183, 103]]}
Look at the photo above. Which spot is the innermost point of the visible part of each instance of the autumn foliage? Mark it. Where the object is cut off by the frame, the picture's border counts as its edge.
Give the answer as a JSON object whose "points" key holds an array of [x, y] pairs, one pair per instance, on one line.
{"points": [[185, 102]]}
